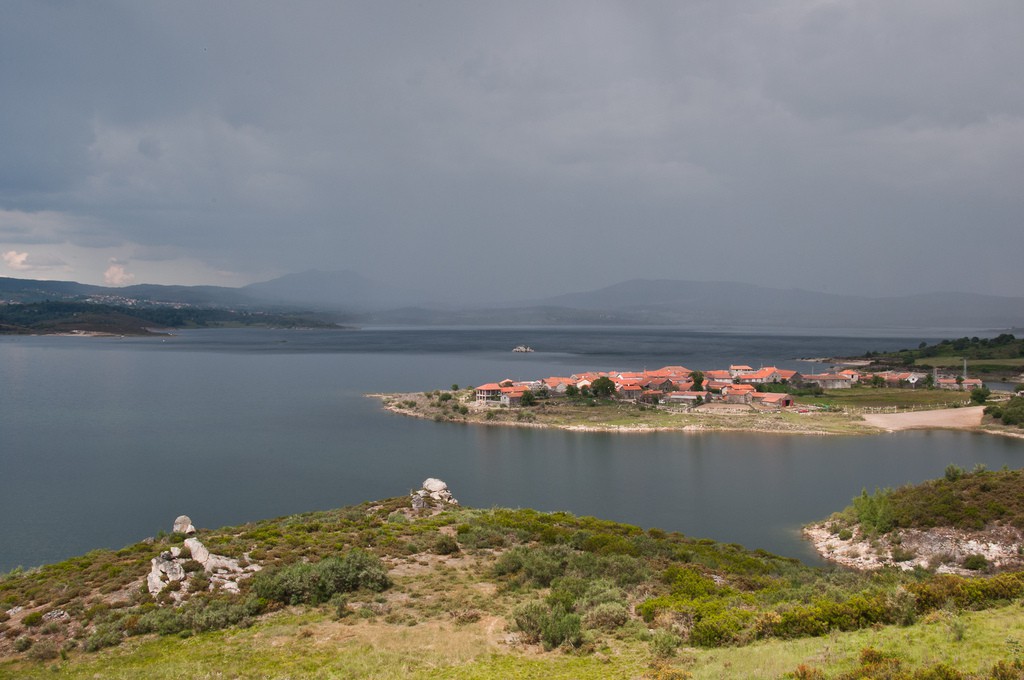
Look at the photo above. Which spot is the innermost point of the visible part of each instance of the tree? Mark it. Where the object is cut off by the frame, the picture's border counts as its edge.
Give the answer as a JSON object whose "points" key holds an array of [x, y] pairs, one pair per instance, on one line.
{"points": [[603, 387], [698, 380], [527, 399], [980, 394], [572, 391], [877, 381], [929, 381]]}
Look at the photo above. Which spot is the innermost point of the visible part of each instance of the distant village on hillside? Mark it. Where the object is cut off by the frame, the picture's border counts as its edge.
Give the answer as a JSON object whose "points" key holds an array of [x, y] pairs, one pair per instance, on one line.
{"points": [[767, 387]]}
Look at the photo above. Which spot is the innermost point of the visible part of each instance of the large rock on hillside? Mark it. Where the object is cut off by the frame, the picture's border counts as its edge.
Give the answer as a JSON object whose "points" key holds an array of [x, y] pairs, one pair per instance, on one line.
{"points": [[434, 493], [183, 525], [223, 572]]}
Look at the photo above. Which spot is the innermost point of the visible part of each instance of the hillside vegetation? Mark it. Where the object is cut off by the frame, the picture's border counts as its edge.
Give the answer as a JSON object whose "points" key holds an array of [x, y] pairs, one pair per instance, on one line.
{"points": [[1001, 355], [961, 500], [65, 317], [382, 590]]}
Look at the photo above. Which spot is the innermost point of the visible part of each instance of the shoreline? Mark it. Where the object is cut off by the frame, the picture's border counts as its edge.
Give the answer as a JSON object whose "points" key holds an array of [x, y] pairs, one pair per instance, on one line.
{"points": [[770, 422], [940, 548]]}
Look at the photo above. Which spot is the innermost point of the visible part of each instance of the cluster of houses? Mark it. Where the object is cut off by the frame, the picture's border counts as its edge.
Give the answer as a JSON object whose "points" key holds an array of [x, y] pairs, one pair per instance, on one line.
{"points": [[676, 385]]}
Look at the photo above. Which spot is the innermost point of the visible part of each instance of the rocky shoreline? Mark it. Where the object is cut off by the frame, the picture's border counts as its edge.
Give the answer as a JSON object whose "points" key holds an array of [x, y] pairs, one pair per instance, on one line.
{"points": [[943, 549]]}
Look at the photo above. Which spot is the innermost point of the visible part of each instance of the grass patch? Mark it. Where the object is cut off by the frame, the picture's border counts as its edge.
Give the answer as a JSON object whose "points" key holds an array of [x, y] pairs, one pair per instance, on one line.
{"points": [[877, 397]]}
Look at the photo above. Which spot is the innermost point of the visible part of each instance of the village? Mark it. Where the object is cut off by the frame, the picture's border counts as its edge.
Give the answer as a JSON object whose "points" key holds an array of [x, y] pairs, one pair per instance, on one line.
{"points": [[766, 388]]}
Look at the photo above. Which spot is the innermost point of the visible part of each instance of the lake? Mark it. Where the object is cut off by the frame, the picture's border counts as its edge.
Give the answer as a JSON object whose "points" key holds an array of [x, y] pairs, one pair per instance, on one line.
{"points": [[103, 441]]}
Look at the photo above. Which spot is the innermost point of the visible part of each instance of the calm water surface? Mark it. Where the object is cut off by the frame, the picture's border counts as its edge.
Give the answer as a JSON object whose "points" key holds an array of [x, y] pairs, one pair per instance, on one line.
{"points": [[104, 441]]}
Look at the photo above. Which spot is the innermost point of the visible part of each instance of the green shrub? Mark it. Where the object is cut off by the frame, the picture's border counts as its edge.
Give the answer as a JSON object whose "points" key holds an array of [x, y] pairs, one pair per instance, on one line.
{"points": [[217, 613], [539, 566], [874, 512], [45, 650], [665, 643], [975, 562], [722, 628], [824, 615], [689, 582], [845, 534], [968, 593], [105, 635], [32, 620], [316, 583], [163, 621], [606, 616], [561, 628], [23, 643], [446, 545], [529, 618], [482, 537], [552, 626]]}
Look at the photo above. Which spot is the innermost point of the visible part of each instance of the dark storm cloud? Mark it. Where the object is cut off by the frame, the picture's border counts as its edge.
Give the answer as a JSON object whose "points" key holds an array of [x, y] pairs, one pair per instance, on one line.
{"points": [[846, 146]]}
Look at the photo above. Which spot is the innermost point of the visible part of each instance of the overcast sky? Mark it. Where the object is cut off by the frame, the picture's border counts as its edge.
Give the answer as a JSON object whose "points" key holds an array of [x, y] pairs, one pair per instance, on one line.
{"points": [[516, 149]]}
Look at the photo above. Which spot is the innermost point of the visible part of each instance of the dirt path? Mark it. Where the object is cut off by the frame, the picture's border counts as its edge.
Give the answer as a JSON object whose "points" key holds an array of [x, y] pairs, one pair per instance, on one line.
{"points": [[948, 418]]}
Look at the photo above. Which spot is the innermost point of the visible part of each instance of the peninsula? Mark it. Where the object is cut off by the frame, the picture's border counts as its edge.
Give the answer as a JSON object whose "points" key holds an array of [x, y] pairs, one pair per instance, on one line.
{"points": [[845, 401]]}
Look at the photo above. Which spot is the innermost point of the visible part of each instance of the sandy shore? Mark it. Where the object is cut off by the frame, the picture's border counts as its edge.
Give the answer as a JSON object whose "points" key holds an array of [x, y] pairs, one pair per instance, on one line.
{"points": [[950, 418]]}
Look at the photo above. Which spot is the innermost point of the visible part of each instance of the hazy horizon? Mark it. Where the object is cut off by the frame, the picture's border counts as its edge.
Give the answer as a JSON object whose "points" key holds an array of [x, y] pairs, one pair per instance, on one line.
{"points": [[516, 150]]}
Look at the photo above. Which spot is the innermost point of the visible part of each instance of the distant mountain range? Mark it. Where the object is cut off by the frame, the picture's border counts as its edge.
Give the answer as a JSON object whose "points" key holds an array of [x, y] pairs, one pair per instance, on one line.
{"points": [[636, 302]]}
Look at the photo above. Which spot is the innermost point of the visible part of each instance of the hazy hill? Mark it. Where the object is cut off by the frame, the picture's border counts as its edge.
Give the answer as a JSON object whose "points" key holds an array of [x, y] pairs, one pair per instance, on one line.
{"points": [[740, 304], [634, 302], [30, 290], [332, 290]]}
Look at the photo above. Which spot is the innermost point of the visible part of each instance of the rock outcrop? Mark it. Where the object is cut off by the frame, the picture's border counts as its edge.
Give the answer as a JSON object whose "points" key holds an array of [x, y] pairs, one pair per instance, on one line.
{"points": [[944, 549], [178, 565], [183, 525], [434, 494]]}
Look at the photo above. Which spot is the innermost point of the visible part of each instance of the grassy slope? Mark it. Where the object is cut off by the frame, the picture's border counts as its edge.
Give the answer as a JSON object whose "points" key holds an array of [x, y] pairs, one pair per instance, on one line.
{"points": [[311, 645], [449, 616]]}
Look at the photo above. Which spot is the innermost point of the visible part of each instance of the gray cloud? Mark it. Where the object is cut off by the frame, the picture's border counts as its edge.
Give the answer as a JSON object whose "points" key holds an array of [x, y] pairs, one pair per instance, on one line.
{"points": [[842, 146]]}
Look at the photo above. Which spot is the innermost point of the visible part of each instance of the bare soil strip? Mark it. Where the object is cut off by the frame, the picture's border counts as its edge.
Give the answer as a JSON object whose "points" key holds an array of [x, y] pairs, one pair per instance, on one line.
{"points": [[953, 418]]}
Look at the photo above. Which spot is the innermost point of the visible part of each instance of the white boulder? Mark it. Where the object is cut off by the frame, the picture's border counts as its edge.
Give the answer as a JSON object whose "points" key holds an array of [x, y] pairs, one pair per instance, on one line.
{"points": [[183, 525]]}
